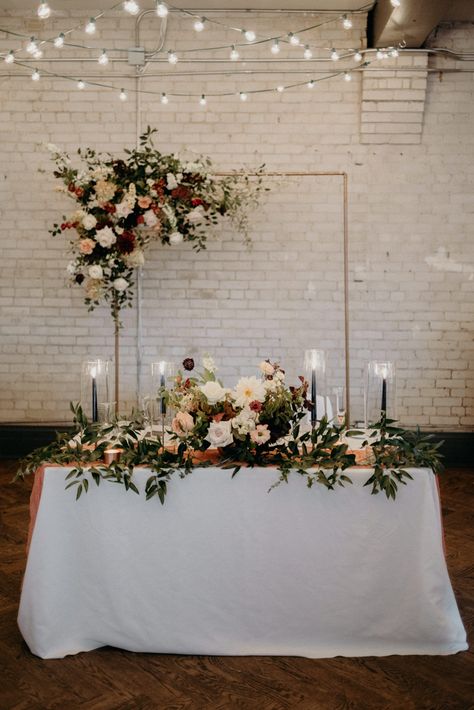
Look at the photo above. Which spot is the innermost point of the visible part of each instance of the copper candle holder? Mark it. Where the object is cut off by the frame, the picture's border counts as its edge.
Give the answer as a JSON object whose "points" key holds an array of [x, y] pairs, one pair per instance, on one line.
{"points": [[111, 455]]}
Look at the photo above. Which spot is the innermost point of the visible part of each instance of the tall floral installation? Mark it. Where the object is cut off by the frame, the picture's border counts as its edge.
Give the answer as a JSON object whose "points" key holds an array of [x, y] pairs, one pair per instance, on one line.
{"points": [[122, 205], [259, 422]]}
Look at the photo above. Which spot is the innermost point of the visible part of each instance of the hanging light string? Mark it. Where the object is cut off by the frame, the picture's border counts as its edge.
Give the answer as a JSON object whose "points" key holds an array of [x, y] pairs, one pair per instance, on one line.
{"points": [[122, 93], [60, 40]]}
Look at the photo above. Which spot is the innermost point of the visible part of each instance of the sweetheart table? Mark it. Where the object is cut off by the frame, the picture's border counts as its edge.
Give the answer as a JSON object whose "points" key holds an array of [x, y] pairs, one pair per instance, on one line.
{"points": [[225, 568]]}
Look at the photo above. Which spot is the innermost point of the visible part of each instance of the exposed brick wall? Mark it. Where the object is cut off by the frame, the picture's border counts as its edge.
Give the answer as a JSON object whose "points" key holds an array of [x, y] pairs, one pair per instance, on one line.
{"points": [[410, 220]]}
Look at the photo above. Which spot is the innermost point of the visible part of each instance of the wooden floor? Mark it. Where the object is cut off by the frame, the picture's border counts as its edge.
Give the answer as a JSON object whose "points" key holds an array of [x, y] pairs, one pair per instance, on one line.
{"points": [[110, 679]]}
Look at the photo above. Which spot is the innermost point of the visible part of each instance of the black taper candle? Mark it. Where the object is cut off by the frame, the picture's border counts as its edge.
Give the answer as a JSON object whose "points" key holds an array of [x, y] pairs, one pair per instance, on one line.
{"points": [[163, 401], [314, 413], [384, 395], [95, 413]]}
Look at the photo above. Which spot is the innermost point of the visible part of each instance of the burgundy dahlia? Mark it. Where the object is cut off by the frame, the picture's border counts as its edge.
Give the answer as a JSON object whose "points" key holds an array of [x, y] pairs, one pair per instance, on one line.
{"points": [[126, 242], [188, 364]]}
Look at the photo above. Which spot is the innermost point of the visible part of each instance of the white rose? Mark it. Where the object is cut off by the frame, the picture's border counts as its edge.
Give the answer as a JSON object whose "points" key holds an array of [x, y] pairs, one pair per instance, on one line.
{"points": [[171, 182], [270, 385], [148, 170], [95, 271], [150, 218], [120, 284], [119, 230], [220, 434], [208, 363], [150, 182], [52, 148], [71, 268], [196, 215], [179, 177], [213, 392], [106, 237], [89, 221], [123, 209], [176, 238], [244, 422], [280, 376], [266, 368]]}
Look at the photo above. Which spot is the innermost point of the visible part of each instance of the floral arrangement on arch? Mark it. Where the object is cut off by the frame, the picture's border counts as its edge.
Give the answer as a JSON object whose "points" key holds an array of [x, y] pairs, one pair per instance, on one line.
{"points": [[124, 204], [245, 422]]}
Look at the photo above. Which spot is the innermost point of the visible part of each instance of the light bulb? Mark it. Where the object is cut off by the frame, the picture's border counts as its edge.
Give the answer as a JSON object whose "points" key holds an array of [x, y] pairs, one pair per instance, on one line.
{"points": [[307, 54], [294, 39], [346, 22], [44, 10], [249, 35], [280, 89], [161, 9], [234, 55], [347, 76], [38, 54], [59, 41], [123, 95], [243, 96], [379, 54], [103, 59], [395, 3], [334, 55], [10, 58], [199, 24], [357, 56], [36, 75], [90, 28], [164, 99], [172, 57], [131, 6], [81, 85], [275, 48], [31, 47], [310, 84], [202, 100]]}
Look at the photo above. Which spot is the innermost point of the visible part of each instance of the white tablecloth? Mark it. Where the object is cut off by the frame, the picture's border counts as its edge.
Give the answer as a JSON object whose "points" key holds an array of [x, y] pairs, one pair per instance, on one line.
{"points": [[226, 568]]}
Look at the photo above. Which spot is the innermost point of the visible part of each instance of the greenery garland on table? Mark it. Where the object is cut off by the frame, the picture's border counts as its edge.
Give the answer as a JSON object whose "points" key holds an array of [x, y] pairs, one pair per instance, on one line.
{"points": [[123, 204], [269, 434]]}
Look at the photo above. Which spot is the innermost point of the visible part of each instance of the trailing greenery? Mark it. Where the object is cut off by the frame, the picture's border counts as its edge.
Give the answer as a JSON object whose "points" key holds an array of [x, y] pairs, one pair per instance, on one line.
{"points": [[316, 455]]}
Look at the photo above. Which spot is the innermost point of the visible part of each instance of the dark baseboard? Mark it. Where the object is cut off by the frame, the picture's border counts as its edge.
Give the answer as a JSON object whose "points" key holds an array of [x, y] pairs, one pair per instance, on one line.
{"points": [[17, 440]]}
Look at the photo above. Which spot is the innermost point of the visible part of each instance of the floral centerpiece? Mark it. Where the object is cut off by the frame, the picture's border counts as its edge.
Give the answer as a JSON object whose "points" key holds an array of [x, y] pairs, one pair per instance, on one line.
{"points": [[122, 204], [245, 422]]}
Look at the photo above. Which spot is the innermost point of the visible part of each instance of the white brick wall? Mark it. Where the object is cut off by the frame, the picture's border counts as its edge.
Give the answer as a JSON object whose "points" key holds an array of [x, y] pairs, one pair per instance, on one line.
{"points": [[411, 302]]}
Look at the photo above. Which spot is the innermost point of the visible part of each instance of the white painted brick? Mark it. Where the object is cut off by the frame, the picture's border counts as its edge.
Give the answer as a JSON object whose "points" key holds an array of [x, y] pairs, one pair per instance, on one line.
{"points": [[409, 196]]}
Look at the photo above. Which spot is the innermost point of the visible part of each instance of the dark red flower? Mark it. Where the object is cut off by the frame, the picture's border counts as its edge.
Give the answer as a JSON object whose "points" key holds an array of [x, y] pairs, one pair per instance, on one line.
{"points": [[140, 219], [256, 406], [79, 191], [63, 226], [180, 193], [188, 364], [126, 242], [71, 187], [109, 207], [196, 201]]}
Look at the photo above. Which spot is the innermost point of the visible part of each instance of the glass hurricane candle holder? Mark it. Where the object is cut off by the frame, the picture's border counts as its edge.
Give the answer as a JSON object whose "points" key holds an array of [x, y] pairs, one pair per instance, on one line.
{"points": [[315, 370], [380, 396], [162, 372], [95, 391]]}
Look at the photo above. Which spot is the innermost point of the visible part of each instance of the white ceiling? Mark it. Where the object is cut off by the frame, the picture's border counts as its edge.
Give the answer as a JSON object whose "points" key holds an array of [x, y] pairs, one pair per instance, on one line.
{"points": [[30, 6]]}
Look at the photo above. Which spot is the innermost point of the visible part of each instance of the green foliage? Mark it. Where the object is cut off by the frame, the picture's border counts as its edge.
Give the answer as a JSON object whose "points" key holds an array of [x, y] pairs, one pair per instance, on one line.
{"points": [[316, 455]]}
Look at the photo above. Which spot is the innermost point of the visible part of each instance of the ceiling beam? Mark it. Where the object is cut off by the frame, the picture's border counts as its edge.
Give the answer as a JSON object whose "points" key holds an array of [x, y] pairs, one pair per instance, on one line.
{"points": [[412, 22]]}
